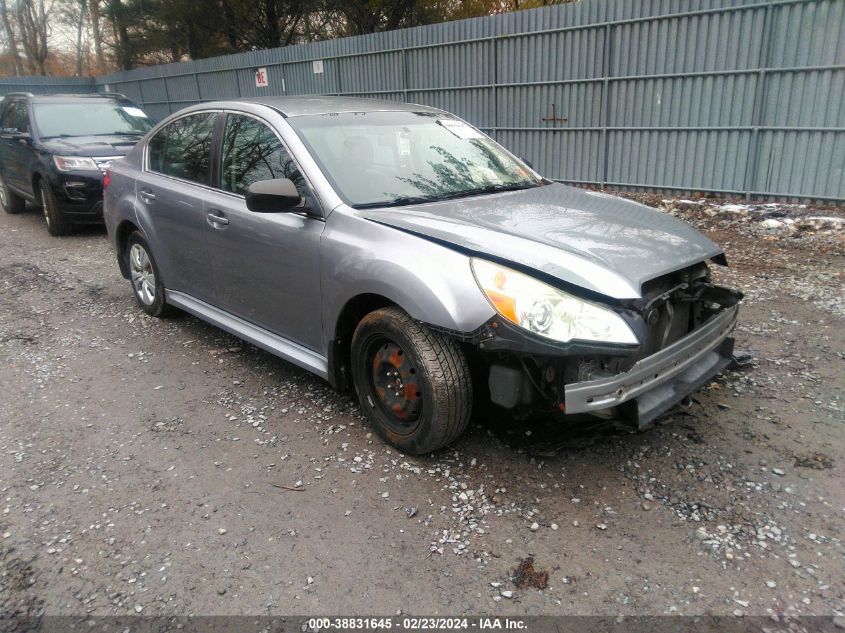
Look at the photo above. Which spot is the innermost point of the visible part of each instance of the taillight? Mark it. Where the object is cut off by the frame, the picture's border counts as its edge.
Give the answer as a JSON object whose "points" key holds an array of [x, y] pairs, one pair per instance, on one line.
{"points": [[106, 178]]}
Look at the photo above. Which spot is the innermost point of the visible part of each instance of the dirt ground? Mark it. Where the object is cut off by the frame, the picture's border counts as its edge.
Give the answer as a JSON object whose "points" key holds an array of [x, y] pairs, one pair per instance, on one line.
{"points": [[164, 467]]}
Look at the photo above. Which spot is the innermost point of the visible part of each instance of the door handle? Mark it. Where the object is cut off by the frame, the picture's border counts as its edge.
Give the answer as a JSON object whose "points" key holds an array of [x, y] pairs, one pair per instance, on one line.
{"points": [[216, 219], [147, 196]]}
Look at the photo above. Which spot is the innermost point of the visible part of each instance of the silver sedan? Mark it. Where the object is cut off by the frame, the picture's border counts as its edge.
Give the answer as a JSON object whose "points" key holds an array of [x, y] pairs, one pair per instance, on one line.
{"points": [[397, 251]]}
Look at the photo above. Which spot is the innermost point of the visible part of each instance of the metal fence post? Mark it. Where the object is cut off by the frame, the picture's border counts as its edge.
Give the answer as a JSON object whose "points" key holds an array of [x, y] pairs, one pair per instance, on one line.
{"points": [[605, 105], [494, 44], [759, 102], [199, 89], [404, 75], [338, 66], [167, 96]]}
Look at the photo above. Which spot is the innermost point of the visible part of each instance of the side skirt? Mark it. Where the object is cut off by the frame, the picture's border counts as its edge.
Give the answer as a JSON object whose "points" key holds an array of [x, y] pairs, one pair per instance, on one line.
{"points": [[273, 343]]}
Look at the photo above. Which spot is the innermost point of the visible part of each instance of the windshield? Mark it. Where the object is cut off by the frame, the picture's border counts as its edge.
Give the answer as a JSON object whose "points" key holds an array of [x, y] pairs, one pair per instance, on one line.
{"points": [[90, 118], [395, 158]]}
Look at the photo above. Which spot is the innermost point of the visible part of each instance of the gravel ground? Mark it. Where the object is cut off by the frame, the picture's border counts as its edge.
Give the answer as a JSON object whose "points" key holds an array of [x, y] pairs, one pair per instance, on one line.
{"points": [[164, 467]]}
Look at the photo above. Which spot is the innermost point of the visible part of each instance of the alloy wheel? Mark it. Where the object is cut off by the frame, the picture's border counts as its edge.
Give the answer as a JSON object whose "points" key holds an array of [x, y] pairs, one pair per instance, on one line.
{"points": [[44, 207], [143, 276]]}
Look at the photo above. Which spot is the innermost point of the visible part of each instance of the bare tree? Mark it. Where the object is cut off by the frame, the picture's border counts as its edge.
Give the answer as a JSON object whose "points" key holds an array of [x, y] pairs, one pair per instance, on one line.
{"points": [[33, 21], [80, 24], [94, 7], [11, 37]]}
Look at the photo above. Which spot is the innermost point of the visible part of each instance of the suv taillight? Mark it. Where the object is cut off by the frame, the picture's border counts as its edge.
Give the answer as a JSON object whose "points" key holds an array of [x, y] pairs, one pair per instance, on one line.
{"points": [[106, 178]]}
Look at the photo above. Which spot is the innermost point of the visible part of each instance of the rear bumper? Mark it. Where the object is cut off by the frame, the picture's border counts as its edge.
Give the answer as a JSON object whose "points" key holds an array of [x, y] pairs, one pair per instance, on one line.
{"points": [[656, 383]]}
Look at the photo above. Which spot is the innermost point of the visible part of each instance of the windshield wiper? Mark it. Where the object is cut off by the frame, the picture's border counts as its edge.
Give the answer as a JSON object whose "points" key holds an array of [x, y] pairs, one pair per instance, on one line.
{"points": [[406, 200], [488, 189], [95, 134], [397, 202]]}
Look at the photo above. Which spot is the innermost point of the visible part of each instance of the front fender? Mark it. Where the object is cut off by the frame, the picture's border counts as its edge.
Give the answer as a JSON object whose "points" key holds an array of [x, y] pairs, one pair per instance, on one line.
{"points": [[431, 282]]}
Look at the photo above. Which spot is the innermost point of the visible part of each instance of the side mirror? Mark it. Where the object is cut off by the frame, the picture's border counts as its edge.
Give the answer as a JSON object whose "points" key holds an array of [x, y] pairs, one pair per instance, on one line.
{"points": [[272, 196]]}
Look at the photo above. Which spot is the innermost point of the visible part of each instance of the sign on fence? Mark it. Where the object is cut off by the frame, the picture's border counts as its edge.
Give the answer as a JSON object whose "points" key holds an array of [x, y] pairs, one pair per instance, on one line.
{"points": [[261, 79]]}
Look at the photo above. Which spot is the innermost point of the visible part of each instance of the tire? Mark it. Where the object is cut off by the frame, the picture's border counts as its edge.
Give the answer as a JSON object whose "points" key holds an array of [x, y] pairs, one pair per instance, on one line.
{"points": [[428, 371], [57, 224], [10, 201], [147, 285]]}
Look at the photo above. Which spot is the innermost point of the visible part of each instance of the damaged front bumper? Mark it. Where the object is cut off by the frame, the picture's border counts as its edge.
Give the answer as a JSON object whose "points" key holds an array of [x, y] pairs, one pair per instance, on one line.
{"points": [[661, 380]]}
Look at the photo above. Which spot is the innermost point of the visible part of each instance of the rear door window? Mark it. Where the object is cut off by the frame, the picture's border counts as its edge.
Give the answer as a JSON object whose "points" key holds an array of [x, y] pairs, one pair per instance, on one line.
{"points": [[16, 117], [182, 149], [253, 152]]}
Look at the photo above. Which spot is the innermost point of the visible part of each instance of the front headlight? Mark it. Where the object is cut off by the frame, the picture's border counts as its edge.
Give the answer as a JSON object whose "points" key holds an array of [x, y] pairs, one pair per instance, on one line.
{"points": [[547, 311], [75, 163]]}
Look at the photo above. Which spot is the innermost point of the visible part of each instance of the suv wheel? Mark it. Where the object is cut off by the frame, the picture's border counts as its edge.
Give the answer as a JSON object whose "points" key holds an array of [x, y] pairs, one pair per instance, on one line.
{"points": [[146, 281], [11, 202], [413, 384], [56, 222]]}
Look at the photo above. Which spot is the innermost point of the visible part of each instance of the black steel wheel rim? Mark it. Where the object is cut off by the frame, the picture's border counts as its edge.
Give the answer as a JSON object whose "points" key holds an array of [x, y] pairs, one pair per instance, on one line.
{"points": [[394, 384]]}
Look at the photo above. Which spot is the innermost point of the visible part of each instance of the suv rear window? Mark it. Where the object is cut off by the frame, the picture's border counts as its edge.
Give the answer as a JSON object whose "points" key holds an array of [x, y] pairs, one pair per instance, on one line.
{"points": [[182, 149]]}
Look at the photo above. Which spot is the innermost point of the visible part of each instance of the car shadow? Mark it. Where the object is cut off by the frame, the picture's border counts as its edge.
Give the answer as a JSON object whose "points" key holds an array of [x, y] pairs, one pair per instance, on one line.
{"points": [[549, 435], [33, 216], [538, 435]]}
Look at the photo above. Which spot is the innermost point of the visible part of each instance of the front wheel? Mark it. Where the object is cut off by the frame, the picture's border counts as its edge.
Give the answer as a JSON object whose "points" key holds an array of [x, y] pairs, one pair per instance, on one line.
{"points": [[146, 280], [414, 385], [57, 224]]}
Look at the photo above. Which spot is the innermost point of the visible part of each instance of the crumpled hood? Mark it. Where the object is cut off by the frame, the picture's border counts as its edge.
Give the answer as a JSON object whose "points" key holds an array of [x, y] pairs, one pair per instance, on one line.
{"points": [[91, 145], [593, 240]]}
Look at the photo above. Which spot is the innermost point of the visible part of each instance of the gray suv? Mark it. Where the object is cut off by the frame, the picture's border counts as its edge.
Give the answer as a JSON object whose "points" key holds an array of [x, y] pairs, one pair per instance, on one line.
{"points": [[396, 250]]}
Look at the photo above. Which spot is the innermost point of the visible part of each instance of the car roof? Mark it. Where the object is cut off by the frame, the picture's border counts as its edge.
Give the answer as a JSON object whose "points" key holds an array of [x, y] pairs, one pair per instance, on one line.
{"points": [[303, 106], [67, 97]]}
